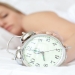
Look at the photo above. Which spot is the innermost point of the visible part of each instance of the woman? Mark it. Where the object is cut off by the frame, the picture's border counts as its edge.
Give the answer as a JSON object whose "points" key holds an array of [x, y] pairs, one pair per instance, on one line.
{"points": [[16, 22]]}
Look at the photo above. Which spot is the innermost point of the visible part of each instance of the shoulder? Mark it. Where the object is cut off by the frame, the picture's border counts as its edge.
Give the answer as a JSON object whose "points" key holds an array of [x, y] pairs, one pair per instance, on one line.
{"points": [[40, 15], [45, 13]]}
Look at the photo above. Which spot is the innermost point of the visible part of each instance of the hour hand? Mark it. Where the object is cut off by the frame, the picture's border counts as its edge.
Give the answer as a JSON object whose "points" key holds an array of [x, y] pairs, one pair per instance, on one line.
{"points": [[36, 51]]}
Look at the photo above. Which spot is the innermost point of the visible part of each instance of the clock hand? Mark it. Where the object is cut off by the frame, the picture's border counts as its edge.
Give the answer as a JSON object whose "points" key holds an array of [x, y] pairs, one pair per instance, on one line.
{"points": [[49, 50], [43, 55], [36, 50]]}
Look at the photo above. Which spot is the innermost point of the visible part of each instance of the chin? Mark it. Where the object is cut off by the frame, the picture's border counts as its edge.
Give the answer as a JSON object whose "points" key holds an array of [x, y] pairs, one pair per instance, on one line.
{"points": [[19, 34], [16, 32]]}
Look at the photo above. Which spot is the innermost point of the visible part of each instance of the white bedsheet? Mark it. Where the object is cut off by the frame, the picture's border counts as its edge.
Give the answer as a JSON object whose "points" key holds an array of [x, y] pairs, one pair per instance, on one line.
{"points": [[11, 67]]}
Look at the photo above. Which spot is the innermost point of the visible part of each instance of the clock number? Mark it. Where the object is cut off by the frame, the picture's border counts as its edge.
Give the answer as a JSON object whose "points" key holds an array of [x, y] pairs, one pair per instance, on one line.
{"points": [[36, 51], [33, 42], [45, 65], [48, 39], [40, 40], [28, 48], [56, 56], [58, 50], [52, 61], [32, 61], [37, 64], [28, 55], [54, 44]]}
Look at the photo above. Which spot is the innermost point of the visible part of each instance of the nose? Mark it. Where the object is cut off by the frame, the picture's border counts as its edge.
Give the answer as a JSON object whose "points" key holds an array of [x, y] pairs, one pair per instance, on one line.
{"points": [[2, 23]]}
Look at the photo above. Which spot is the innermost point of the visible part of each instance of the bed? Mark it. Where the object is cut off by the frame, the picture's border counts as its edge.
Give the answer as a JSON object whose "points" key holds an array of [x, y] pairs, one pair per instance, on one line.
{"points": [[8, 66]]}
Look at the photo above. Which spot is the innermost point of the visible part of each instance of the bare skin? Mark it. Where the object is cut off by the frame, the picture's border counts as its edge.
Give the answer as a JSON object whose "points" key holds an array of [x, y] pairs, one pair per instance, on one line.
{"points": [[16, 23], [49, 21], [11, 20]]}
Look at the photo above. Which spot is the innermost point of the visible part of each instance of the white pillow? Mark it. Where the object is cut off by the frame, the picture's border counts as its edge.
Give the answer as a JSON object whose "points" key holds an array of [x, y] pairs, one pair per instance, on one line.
{"points": [[5, 37], [28, 7]]}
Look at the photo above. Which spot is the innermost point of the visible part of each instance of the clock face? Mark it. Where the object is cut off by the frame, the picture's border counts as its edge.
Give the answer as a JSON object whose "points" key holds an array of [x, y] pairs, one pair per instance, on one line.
{"points": [[43, 50]]}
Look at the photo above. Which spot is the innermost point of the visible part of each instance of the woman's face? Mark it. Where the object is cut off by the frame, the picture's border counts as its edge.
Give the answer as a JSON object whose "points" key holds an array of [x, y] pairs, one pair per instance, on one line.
{"points": [[11, 20]]}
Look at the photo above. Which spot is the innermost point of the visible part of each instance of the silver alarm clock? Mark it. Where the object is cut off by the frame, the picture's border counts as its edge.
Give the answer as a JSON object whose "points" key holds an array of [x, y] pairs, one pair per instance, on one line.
{"points": [[40, 50]]}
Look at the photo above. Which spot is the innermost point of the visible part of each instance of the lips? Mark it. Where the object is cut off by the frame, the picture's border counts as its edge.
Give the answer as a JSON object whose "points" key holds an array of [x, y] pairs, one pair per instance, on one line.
{"points": [[8, 28]]}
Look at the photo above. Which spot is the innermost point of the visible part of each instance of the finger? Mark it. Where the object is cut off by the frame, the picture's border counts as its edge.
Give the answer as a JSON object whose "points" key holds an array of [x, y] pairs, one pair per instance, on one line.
{"points": [[40, 32], [49, 33], [58, 36], [55, 34]]}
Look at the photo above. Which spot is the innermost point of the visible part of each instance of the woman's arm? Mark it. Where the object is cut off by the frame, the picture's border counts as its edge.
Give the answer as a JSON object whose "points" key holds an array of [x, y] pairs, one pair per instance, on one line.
{"points": [[70, 52], [48, 21]]}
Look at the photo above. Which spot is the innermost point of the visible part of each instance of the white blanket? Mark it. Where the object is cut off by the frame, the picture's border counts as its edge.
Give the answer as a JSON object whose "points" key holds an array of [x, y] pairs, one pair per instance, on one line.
{"points": [[11, 67]]}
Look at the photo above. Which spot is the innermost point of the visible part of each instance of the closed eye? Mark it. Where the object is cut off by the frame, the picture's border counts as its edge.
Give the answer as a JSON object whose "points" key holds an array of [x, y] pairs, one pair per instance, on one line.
{"points": [[4, 16]]}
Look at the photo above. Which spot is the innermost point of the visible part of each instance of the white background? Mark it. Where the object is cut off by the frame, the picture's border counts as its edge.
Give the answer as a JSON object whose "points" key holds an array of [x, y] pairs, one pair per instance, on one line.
{"points": [[58, 4]]}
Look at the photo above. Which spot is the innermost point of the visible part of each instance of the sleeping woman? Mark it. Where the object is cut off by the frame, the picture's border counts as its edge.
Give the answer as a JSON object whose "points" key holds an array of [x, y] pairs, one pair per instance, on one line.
{"points": [[16, 22]]}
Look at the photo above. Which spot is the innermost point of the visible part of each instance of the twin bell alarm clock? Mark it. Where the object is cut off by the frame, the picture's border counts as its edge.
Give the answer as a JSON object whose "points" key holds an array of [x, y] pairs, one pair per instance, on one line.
{"points": [[40, 50]]}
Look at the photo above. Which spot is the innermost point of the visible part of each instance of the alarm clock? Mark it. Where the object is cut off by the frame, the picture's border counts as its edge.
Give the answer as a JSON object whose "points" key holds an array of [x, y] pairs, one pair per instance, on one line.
{"points": [[40, 50]]}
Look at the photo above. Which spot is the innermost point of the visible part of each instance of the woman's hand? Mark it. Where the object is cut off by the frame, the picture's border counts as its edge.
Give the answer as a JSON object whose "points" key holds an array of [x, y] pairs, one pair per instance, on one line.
{"points": [[53, 33]]}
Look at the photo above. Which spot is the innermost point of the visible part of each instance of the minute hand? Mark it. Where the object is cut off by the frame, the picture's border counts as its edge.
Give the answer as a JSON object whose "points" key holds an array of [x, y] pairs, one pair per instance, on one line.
{"points": [[48, 50]]}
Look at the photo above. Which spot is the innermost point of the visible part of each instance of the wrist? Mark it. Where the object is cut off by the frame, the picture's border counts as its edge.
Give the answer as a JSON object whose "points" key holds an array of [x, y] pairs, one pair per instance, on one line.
{"points": [[70, 53]]}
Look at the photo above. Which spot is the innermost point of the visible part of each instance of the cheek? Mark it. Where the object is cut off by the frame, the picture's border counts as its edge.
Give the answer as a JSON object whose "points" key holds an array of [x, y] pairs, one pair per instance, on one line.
{"points": [[17, 27], [15, 19]]}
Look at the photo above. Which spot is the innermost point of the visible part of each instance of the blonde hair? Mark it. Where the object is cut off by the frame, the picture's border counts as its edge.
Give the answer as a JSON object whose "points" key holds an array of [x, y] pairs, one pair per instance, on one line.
{"points": [[10, 7]]}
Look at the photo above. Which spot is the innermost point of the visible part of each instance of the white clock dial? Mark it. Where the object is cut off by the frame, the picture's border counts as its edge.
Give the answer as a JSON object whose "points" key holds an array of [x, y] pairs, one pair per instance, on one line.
{"points": [[43, 51]]}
